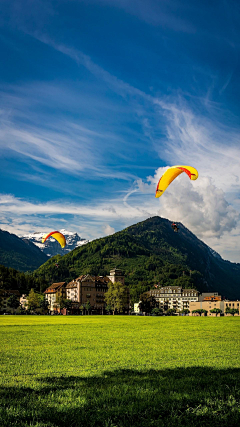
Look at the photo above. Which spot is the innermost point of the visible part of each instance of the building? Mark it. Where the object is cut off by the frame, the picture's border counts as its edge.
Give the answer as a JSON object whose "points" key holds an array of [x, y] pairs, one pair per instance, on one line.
{"points": [[54, 293], [24, 301], [208, 296], [232, 304], [211, 304], [136, 308], [116, 275], [174, 297], [86, 289], [206, 305]]}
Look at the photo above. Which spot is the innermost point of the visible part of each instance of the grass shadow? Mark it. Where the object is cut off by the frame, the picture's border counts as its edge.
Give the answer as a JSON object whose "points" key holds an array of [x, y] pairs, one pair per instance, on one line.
{"points": [[194, 396]]}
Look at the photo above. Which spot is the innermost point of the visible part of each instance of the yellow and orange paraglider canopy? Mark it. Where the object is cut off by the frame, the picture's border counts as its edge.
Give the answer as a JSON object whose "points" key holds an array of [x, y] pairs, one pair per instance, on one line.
{"points": [[58, 236], [172, 173]]}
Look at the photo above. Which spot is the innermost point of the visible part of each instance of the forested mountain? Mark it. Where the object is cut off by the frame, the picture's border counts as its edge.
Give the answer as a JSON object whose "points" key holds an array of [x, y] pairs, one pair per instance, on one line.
{"points": [[19, 254], [149, 252], [23, 282]]}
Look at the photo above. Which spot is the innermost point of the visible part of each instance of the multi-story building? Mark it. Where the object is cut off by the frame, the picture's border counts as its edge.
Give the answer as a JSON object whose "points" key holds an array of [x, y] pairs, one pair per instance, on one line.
{"points": [[54, 293], [209, 305], [86, 289], [174, 297], [232, 304], [209, 296], [92, 289], [206, 305]]}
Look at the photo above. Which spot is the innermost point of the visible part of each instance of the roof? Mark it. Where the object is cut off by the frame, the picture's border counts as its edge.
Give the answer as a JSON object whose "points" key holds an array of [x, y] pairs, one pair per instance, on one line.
{"points": [[73, 283], [96, 279], [54, 287]]}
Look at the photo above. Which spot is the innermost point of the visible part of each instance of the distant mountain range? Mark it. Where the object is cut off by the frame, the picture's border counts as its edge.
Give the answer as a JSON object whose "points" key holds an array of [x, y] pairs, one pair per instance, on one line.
{"points": [[149, 253], [51, 247], [19, 254]]}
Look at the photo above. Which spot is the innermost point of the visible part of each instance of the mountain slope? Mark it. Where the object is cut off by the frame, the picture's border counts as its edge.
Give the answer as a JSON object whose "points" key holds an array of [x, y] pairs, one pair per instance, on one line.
{"points": [[150, 252], [51, 247], [19, 254]]}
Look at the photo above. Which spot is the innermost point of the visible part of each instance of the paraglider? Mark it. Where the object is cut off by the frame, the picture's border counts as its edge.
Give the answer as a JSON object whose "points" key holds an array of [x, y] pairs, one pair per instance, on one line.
{"points": [[58, 236], [175, 227], [172, 173]]}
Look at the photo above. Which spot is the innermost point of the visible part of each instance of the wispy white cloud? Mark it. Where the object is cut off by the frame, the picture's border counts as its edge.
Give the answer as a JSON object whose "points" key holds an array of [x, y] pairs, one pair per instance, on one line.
{"points": [[52, 140], [206, 212]]}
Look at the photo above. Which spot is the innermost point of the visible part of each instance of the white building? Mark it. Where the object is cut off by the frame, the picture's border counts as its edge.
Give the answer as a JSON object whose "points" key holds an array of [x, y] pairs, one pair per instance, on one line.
{"points": [[174, 297]]}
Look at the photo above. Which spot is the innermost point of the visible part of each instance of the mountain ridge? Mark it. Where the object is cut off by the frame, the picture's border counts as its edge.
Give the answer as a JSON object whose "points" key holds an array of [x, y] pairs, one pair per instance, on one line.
{"points": [[19, 254], [150, 252]]}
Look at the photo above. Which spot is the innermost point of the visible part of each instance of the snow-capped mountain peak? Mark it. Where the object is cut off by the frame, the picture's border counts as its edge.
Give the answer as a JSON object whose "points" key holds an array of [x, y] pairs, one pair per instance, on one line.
{"points": [[51, 247]]}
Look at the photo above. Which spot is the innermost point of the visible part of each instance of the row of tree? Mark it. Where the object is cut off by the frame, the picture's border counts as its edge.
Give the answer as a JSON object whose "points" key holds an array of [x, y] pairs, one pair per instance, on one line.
{"points": [[172, 311]]}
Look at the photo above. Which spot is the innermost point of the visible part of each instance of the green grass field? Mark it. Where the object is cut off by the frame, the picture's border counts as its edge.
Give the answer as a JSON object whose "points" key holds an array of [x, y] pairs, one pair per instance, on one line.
{"points": [[116, 371]]}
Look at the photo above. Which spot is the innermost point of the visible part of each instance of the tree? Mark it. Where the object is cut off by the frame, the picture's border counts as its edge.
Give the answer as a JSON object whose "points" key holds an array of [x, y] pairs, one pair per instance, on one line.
{"points": [[67, 303], [171, 311], [116, 296], [185, 311], [200, 311], [231, 311], [82, 309], [108, 309], [88, 306], [216, 311], [157, 311], [33, 300], [147, 303], [43, 303], [13, 301]]}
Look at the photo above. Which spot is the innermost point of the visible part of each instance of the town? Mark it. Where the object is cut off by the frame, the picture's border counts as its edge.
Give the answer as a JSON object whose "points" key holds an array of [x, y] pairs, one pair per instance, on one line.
{"points": [[92, 294]]}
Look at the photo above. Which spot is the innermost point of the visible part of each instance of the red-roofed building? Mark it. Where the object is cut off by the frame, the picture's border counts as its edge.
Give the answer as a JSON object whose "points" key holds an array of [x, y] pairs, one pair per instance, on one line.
{"points": [[87, 288], [53, 293]]}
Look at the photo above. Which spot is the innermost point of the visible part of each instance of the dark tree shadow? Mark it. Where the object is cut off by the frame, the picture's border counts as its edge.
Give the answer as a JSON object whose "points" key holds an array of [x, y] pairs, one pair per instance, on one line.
{"points": [[195, 396]]}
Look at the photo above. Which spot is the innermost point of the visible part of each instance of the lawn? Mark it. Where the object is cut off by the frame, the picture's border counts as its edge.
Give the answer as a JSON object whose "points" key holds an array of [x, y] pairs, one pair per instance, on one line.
{"points": [[114, 371]]}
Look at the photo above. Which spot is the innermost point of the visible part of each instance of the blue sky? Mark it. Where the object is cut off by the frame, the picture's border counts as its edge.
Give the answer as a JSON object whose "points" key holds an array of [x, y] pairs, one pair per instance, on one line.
{"points": [[98, 97]]}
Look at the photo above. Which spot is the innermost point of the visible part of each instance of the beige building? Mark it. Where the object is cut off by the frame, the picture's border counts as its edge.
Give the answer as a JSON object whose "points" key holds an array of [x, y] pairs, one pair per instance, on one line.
{"points": [[116, 275], [174, 297], [87, 288], [210, 305], [232, 304], [206, 305], [53, 293]]}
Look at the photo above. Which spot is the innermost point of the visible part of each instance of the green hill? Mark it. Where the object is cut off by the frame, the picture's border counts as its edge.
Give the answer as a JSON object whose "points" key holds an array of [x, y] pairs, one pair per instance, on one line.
{"points": [[19, 254], [149, 252]]}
